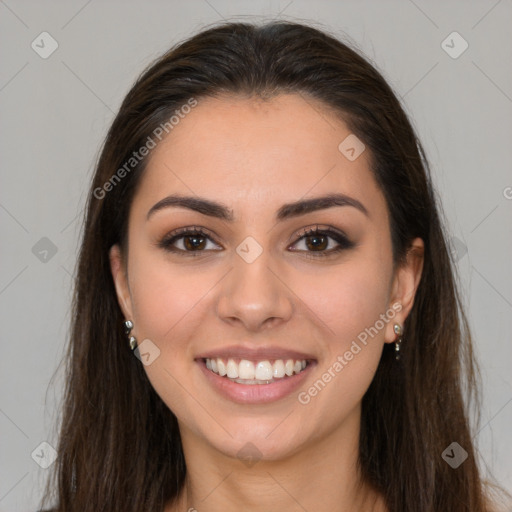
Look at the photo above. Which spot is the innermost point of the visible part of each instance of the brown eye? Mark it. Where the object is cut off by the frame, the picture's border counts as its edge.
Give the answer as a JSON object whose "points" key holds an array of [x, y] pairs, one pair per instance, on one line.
{"points": [[191, 240], [318, 242]]}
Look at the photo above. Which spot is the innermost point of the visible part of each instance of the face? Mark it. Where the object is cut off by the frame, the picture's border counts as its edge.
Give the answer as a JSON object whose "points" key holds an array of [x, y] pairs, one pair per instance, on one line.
{"points": [[297, 318]]}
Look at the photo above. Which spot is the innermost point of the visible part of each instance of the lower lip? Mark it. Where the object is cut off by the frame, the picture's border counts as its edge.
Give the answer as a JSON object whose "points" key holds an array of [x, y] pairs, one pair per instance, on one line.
{"points": [[255, 393]]}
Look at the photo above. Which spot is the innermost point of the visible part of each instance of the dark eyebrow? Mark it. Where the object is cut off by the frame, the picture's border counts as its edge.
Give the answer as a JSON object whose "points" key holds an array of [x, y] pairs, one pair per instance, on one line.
{"points": [[287, 211]]}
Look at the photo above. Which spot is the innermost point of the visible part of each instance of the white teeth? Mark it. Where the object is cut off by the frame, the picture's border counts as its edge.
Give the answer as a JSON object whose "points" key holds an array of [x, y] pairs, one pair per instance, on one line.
{"points": [[221, 367], [279, 369], [232, 369], [252, 382], [261, 372], [246, 369]]}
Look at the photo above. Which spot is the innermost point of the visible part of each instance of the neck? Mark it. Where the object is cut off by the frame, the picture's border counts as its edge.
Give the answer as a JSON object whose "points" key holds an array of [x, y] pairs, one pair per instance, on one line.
{"points": [[322, 475]]}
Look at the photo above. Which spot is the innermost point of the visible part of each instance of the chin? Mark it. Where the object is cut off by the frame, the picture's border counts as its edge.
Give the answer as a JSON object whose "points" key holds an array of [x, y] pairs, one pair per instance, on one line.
{"points": [[258, 438]]}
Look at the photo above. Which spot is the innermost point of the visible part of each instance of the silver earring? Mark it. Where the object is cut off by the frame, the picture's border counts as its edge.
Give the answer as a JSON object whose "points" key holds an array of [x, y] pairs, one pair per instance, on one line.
{"points": [[399, 332], [128, 326]]}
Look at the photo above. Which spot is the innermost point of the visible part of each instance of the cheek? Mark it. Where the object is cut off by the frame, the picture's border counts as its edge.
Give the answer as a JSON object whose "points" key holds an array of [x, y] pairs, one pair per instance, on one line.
{"points": [[351, 298], [358, 301], [168, 304], [166, 299]]}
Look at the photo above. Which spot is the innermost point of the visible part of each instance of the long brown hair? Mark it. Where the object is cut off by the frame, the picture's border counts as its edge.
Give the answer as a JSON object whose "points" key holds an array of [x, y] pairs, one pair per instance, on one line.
{"points": [[119, 445]]}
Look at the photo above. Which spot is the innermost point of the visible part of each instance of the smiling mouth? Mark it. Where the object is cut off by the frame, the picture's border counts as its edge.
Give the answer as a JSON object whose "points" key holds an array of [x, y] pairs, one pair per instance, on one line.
{"points": [[245, 371]]}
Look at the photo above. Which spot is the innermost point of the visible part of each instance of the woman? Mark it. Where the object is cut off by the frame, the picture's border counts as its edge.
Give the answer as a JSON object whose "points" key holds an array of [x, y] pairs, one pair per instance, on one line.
{"points": [[265, 315]]}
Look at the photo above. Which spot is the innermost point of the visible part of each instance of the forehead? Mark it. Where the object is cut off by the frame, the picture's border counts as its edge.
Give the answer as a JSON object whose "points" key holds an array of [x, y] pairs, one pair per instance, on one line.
{"points": [[257, 154]]}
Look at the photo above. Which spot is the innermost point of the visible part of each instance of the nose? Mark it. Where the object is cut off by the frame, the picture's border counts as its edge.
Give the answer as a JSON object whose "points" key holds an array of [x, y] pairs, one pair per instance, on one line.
{"points": [[255, 295]]}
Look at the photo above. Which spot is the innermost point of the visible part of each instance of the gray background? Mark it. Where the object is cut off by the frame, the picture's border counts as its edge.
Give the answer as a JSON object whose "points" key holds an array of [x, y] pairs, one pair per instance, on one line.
{"points": [[55, 113]]}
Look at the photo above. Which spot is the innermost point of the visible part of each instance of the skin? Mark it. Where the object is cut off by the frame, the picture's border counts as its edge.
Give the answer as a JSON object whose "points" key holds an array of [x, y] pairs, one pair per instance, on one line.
{"points": [[255, 156]]}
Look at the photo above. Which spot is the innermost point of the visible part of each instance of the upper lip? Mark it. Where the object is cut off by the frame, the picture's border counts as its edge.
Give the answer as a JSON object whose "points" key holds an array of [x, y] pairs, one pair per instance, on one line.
{"points": [[254, 354]]}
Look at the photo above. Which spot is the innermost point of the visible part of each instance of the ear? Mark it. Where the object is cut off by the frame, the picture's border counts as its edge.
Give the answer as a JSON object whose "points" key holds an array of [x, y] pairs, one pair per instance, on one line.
{"points": [[405, 283], [119, 274]]}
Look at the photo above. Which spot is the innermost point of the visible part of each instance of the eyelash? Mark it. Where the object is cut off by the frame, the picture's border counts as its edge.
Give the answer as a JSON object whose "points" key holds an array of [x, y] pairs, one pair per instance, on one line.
{"points": [[344, 243]]}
